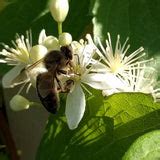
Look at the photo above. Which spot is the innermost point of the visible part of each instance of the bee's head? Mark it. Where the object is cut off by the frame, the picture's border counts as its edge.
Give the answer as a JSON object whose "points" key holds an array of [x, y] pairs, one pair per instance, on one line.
{"points": [[66, 50]]}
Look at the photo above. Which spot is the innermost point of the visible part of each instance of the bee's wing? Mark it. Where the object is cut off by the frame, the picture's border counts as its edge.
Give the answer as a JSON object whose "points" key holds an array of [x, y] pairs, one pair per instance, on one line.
{"points": [[10, 79], [22, 77], [34, 65], [47, 91], [45, 83]]}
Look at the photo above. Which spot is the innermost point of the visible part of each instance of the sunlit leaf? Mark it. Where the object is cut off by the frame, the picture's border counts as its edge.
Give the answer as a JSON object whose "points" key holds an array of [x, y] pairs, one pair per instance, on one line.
{"points": [[146, 147], [61, 143], [96, 137]]}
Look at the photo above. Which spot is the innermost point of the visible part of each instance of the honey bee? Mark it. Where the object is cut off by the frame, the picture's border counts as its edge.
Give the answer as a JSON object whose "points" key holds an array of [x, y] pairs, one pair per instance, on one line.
{"points": [[55, 62], [48, 84]]}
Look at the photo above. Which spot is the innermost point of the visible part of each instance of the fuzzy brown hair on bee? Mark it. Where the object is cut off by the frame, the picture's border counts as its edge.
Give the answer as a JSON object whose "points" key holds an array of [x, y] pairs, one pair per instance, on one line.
{"points": [[55, 62]]}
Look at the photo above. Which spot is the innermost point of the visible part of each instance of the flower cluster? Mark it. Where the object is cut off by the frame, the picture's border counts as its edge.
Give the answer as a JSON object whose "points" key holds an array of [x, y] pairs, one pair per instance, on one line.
{"points": [[110, 69]]}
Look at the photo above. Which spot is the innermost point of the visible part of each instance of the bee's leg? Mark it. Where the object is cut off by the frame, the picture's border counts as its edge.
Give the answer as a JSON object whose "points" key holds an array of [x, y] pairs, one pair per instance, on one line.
{"points": [[68, 85], [59, 88], [62, 71]]}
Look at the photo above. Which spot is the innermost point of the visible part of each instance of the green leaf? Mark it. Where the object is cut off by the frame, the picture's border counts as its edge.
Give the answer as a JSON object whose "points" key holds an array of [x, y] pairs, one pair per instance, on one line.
{"points": [[138, 19], [124, 107], [61, 143], [146, 147], [126, 134], [97, 137]]}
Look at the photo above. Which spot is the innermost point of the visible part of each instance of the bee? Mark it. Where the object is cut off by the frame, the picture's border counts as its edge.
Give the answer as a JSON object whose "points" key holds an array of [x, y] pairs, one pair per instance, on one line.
{"points": [[55, 62], [48, 84]]}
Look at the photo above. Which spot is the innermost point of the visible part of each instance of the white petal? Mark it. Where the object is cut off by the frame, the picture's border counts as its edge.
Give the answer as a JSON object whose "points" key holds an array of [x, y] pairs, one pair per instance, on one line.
{"points": [[102, 81], [75, 106], [42, 36], [98, 67], [7, 80], [2, 61], [110, 92]]}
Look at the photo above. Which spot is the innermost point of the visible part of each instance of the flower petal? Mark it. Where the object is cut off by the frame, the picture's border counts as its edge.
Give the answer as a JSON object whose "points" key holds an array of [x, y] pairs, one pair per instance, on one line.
{"points": [[98, 66], [110, 92], [42, 36], [102, 81], [7, 80], [75, 106]]}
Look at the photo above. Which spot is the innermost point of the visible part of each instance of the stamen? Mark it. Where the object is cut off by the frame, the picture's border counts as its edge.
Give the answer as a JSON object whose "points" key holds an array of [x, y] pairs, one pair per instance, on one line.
{"points": [[101, 46], [129, 61], [28, 88], [125, 51], [127, 39], [117, 44], [86, 89], [141, 62], [135, 53], [109, 38], [22, 87]]}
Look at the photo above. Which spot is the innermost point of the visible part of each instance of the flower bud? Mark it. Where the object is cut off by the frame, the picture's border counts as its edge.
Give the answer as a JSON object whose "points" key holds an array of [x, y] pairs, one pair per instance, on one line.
{"points": [[65, 39], [59, 9], [18, 103], [51, 43], [37, 52]]}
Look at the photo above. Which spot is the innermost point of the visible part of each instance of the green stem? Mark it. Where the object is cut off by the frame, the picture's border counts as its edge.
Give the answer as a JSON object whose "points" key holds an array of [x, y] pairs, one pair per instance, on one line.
{"points": [[35, 104], [59, 28]]}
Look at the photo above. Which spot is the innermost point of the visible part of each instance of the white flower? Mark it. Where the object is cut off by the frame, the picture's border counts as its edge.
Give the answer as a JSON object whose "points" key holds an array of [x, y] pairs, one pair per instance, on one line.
{"points": [[85, 70], [21, 56], [139, 79], [118, 61], [144, 81]]}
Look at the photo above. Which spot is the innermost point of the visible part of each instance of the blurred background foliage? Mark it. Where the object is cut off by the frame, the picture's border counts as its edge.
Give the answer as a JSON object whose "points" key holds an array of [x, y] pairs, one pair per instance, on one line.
{"points": [[138, 19]]}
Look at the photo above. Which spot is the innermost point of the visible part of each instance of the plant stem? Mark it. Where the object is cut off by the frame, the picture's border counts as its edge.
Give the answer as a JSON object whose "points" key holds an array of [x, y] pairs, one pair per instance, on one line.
{"points": [[59, 28], [35, 104]]}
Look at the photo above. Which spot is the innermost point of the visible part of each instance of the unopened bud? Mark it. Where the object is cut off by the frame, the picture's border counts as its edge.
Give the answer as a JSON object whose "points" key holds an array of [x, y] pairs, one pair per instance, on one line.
{"points": [[18, 103], [37, 52], [51, 43], [65, 39], [59, 9]]}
